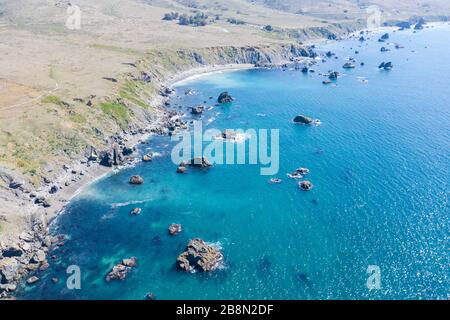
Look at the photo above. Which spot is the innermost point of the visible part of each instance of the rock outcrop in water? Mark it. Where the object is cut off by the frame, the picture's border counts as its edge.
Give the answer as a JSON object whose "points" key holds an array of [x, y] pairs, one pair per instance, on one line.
{"points": [[121, 270], [225, 97], [175, 228], [301, 119], [333, 75], [197, 110], [305, 185], [199, 256], [386, 65], [384, 37], [199, 162], [136, 180]]}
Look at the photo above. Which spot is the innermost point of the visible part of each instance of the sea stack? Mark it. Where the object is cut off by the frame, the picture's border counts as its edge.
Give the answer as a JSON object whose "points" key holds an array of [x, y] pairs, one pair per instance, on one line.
{"points": [[199, 256]]}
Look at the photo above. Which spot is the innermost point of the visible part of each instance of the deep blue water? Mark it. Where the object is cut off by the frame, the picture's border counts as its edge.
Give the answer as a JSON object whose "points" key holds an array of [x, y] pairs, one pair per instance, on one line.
{"points": [[379, 163]]}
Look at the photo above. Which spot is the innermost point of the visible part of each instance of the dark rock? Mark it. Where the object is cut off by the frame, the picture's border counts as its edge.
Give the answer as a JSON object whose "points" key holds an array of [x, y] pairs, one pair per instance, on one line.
{"points": [[305, 185], [404, 25], [136, 180], [348, 65], [199, 162], [384, 49], [127, 151], [225, 97], [54, 189], [199, 256], [197, 110], [303, 119], [333, 75]]}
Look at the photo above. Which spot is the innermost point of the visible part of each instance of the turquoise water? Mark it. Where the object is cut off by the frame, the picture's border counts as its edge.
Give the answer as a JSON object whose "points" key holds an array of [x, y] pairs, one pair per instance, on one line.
{"points": [[379, 163]]}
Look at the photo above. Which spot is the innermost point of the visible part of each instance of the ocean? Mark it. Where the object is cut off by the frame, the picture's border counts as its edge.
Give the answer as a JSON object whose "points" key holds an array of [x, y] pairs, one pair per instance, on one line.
{"points": [[379, 162]]}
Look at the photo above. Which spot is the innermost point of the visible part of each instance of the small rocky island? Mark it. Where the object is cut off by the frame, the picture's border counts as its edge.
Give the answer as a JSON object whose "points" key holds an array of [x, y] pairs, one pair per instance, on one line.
{"points": [[199, 256], [121, 270]]}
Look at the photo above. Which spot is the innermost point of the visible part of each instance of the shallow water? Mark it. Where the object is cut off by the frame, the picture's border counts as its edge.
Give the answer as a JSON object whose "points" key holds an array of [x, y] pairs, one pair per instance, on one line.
{"points": [[379, 163]]}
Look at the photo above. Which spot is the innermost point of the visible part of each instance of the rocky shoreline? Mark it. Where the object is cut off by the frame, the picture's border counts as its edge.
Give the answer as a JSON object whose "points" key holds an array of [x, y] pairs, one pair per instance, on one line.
{"points": [[26, 253]]}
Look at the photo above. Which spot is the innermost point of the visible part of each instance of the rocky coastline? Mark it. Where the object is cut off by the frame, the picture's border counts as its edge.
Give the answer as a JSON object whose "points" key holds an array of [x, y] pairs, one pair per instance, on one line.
{"points": [[27, 252]]}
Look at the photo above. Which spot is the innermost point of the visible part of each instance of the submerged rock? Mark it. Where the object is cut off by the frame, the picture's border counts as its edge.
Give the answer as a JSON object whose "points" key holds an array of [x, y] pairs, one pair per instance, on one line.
{"points": [[199, 256], [301, 119], [136, 180], [175, 229], [306, 185], [225, 97], [121, 270]]}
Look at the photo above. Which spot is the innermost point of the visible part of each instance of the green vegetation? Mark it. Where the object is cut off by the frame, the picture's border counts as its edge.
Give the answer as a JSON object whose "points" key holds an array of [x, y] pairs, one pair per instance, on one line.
{"points": [[116, 111], [130, 91], [77, 118], [198, 20], [53, 100]]}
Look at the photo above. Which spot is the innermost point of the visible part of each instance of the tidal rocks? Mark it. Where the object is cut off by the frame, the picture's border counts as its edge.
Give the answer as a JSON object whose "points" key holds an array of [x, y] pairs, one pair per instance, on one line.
{"points": [[121, 270], [326, 81], [136, 180], [200, 256], [225, 97], [174, 229], [305, 185], [305, 70], [136, 211], [384, 49], [301, 119], [197, 110]]}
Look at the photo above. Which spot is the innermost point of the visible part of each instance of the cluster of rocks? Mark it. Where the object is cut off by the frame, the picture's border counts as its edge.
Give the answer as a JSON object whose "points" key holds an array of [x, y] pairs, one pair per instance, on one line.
{"points": [[200, 256], [198, 162], [23, 258], [197, 110], [301, 119], [122, 269]]}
